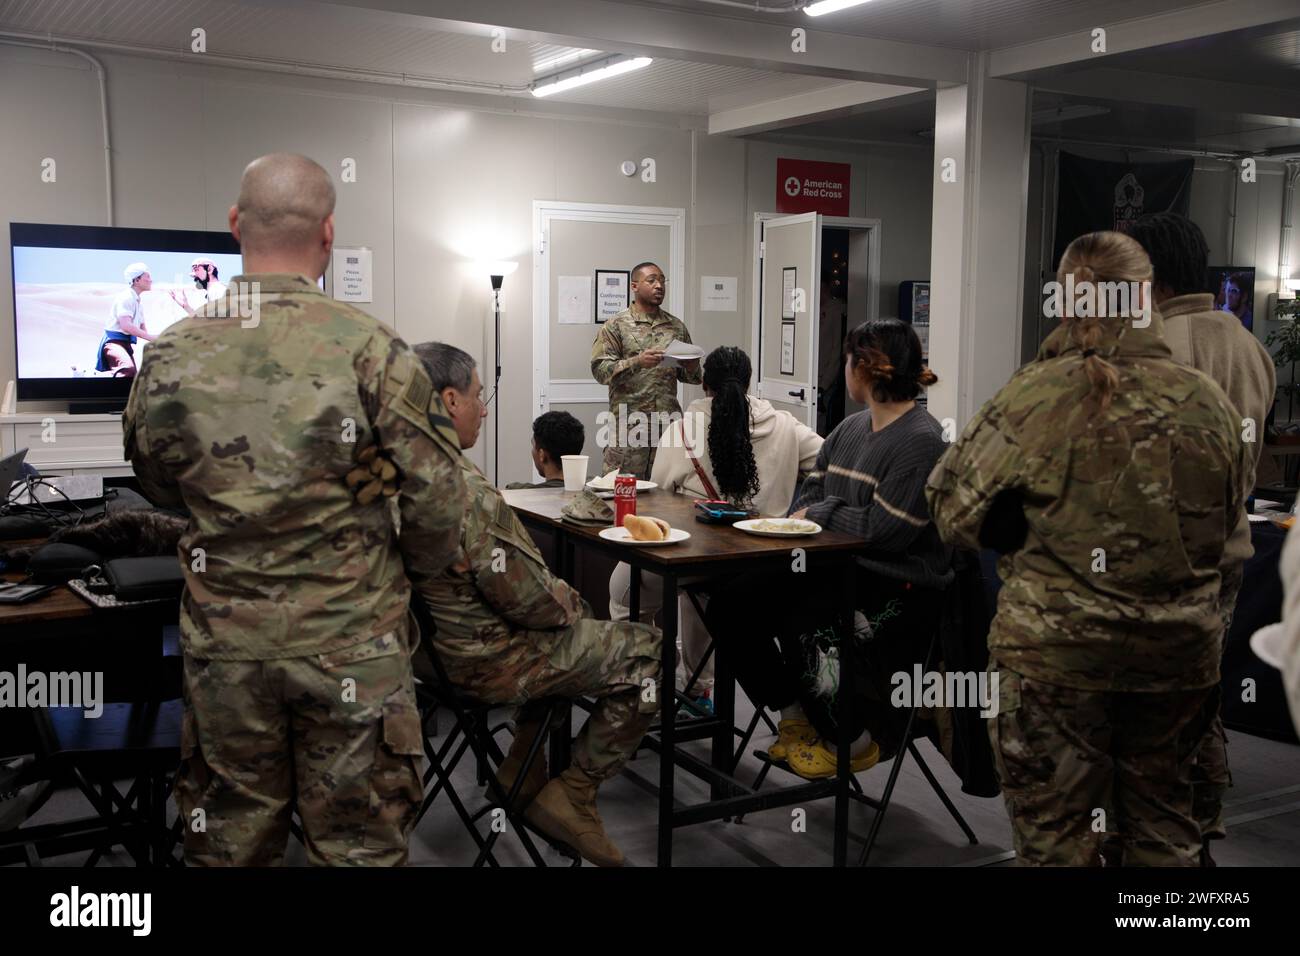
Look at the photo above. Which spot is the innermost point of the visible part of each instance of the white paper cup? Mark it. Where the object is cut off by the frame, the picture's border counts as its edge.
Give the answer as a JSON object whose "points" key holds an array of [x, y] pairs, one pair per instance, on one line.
{"points": [[575, 471]]}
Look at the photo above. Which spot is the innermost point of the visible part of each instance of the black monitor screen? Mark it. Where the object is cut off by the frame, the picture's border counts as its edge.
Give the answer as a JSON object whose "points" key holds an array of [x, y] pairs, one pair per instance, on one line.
{"points": [[88, 299]]}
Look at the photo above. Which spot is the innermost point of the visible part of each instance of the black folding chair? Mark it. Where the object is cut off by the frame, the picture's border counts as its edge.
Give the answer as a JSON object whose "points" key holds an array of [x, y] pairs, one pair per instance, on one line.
{"points": [[136, 742], [906, 746], [473, 732]]}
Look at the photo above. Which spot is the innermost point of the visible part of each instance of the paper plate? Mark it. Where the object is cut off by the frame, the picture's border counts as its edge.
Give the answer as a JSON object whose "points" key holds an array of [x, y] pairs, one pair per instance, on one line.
{"points": [[622, 536], [751, 526]]}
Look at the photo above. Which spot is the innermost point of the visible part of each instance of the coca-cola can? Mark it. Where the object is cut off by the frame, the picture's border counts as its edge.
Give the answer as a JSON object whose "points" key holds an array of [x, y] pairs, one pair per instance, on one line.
{"points": [[624, 498]]}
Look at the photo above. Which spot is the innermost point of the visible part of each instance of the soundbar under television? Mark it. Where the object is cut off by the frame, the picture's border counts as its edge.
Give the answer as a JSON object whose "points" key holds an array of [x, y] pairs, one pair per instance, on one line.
{"points": [[89, 299]]}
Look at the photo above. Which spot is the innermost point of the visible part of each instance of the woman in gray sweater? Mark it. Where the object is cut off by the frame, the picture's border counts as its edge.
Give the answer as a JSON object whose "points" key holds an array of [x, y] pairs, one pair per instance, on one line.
{"points": [[869, 481]]}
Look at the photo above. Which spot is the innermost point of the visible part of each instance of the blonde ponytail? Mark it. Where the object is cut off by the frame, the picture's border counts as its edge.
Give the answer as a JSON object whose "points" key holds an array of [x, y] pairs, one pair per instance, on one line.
{"points": [[1094, 258]]}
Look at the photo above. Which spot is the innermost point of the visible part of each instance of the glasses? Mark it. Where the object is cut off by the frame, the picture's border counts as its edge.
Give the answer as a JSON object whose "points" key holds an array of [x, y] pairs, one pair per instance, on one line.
{"points": [[654, 280]]}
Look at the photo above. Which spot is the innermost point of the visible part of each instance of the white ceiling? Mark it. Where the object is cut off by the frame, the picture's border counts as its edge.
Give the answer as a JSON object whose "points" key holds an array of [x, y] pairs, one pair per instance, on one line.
{"points": [[330, 38], [961, 24], [339, 38]]}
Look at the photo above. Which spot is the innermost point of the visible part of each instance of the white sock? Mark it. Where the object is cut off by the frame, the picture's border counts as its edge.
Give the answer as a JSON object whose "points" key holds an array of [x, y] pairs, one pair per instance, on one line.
{"points": [[793, 712], [861, 745]]}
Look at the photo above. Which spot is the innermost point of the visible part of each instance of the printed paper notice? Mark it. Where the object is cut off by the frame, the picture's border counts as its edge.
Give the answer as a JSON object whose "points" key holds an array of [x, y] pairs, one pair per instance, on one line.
{"points": [[717, 293], [352, 275], [574, 297]]}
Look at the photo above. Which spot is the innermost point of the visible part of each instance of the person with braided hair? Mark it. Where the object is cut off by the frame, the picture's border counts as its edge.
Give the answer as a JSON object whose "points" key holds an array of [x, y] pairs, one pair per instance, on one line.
{"points": [[728, 445], [1124, 469]]}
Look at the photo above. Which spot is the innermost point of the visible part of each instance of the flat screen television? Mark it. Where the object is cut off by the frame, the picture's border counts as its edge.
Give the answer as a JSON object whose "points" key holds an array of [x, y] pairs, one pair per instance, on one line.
{"points": [[1234, 291], [76, 303]]}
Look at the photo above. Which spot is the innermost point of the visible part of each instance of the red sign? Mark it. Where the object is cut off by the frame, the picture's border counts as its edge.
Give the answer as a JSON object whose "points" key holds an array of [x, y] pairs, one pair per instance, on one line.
{"points": [[803, 185]]}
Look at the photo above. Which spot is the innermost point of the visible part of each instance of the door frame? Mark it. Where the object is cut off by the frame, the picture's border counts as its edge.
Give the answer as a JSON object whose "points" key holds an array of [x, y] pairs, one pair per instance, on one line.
{"points": [[583, 391], [756, 277]]}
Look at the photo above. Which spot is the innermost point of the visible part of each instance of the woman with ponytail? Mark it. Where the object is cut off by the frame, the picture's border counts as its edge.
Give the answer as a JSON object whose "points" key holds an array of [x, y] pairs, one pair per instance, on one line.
{"points": [[869, 481], [728, 444], [1111, 477]]}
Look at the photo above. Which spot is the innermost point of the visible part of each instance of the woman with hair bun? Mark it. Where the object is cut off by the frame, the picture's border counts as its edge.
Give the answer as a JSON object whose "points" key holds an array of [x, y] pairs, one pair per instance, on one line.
{"points": [[869, 481], [1110, 476]]}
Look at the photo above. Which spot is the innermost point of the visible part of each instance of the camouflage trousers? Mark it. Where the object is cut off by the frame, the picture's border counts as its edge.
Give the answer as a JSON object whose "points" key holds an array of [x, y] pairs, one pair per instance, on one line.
{"points": [[634, 461], [616, 663], [1211, 776], [335, 736], [1075, 765]]}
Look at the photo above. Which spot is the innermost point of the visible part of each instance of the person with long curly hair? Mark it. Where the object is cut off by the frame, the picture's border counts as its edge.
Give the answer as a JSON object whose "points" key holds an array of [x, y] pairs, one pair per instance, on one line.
{"points": [[868, 481], [1118, 473], [747, 452]]}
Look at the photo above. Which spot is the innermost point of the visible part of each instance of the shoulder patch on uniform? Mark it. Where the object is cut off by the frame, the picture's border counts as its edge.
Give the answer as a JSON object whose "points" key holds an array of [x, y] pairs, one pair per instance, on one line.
{"points": [[418, 391]]}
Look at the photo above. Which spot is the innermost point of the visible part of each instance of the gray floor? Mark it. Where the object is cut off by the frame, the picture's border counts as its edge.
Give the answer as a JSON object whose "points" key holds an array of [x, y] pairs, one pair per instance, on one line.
{"points": [[1263, 816]]}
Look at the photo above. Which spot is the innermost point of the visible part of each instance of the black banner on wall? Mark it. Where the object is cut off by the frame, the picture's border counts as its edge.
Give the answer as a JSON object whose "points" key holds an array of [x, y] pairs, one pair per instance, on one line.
{"points": [[1094, 194]]}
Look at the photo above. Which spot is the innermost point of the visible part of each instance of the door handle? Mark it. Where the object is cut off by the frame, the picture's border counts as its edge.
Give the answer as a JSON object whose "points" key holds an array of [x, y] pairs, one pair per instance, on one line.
{"points": [[798, 394]]}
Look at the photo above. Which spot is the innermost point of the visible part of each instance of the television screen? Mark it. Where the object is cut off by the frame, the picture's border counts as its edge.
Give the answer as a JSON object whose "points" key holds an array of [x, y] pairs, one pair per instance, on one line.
{"points": [[89, 299], [1234, 291]]}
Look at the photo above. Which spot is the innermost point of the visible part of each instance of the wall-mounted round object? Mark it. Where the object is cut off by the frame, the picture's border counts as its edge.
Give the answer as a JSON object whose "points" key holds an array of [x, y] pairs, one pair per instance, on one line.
{"points": [[628, 168]]}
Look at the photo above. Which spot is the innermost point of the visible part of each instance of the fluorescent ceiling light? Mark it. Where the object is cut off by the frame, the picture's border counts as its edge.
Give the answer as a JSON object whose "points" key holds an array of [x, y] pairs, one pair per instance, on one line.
{"points": [[1293, 285], [564, 59], [830, 6], [589, 73]]}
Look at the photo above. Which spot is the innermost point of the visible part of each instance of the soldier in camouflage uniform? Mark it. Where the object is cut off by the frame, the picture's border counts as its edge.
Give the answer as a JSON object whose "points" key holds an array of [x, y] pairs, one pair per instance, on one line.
{"points": [[510, 632], [1108, 628], [251, 414], [627, 356]]}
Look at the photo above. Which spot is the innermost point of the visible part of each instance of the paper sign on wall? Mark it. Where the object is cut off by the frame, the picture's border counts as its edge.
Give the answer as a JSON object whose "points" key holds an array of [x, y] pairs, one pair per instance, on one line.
{"points": [[574, 300], [717, 293], [353, 269]]}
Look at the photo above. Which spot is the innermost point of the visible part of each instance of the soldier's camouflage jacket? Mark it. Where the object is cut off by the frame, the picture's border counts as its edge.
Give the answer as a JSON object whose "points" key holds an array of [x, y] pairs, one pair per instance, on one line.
{"points": [[498, 587], [1117, 585], [252, 423], [613, 361]]}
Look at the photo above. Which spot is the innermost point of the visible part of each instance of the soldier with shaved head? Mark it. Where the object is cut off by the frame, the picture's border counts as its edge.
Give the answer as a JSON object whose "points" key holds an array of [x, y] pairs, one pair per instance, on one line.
{"points": [[286, 437]]}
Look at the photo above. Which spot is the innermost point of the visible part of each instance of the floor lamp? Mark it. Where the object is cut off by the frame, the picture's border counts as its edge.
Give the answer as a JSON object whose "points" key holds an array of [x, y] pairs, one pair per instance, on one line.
{"points": [[497, 271]]}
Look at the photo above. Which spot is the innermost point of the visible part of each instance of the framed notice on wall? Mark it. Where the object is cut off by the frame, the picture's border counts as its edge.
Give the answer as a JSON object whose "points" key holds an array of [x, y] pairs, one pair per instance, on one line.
{"points": [[788, 279], [613, 292], [787, 348]]}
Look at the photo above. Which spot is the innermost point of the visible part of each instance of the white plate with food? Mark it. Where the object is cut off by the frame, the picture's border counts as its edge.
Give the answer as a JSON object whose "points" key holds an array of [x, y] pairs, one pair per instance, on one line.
{"points": [[779, 527], [1267, 645], [644, 531]]}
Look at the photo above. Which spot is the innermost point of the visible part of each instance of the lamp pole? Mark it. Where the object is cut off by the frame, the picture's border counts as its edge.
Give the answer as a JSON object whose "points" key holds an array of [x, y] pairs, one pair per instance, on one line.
{"points": [[496, 382]]}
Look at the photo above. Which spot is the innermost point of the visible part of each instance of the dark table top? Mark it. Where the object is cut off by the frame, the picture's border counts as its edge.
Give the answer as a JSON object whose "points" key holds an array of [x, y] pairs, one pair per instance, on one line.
{"points": [[708, 543]]}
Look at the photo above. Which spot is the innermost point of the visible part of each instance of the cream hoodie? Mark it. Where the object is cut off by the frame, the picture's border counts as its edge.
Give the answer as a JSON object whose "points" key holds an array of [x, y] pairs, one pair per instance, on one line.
{"points": [[784, 449]]}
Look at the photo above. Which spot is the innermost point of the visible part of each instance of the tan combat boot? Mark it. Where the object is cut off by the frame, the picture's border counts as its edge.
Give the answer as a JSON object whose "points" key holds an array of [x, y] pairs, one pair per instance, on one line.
{"points": [[508, 772], [565, 811]]}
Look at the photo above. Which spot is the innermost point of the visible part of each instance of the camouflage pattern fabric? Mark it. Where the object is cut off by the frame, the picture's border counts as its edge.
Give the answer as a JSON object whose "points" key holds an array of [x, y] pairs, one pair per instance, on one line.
{"points": [[510, 632], [588, 509], [1064, 754], [633, 388], [335, 735], [1118, 584], [254, 430]]}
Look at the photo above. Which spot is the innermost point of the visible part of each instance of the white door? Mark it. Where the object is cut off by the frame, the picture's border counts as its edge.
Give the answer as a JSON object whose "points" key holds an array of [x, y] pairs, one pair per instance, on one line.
{"points": [[789, 285], [576, 240]]}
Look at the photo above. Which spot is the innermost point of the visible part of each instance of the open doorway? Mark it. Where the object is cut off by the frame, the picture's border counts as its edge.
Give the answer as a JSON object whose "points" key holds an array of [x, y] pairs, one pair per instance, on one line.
{"points": [[800, 353], [846, 293]]}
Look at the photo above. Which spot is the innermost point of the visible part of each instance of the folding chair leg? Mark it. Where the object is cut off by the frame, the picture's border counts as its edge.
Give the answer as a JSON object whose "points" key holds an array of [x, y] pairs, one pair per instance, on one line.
{"points": [[745, 739], [934, 784]]}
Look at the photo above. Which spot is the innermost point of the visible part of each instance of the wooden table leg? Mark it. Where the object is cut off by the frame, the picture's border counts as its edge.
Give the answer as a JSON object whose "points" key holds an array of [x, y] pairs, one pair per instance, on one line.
{"points": [[667, 717]]}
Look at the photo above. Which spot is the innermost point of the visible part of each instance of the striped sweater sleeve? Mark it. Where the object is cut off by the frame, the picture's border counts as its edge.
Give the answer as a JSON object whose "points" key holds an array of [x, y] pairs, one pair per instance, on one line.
{"points": [[895, 516]]}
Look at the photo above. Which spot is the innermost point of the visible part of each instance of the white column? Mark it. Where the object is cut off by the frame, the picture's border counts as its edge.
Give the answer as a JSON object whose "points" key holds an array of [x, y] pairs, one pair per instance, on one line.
{"points": [[977, 244]]}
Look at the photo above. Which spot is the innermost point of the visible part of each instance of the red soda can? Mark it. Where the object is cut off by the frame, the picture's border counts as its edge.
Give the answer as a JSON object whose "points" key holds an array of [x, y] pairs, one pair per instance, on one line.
{"points": [[624, 498]]}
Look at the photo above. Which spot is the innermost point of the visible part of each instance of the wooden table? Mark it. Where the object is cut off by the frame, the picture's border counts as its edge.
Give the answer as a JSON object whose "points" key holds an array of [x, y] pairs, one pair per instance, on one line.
{"points": [[712, 551]]}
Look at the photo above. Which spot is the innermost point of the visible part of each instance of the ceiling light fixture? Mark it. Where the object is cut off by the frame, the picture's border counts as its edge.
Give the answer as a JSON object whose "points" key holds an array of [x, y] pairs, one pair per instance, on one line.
{"points": [[553, 63], [830, 6], [601, 69]]}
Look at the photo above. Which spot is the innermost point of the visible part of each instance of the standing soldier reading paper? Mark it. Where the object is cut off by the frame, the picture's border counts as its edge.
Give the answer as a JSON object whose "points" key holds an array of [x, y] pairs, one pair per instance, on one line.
{"points": [[628, 356], [298, 687]]}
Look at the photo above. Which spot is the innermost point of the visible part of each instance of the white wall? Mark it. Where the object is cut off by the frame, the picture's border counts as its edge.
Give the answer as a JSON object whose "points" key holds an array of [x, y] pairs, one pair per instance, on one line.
{"points": [[443, 179]]}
